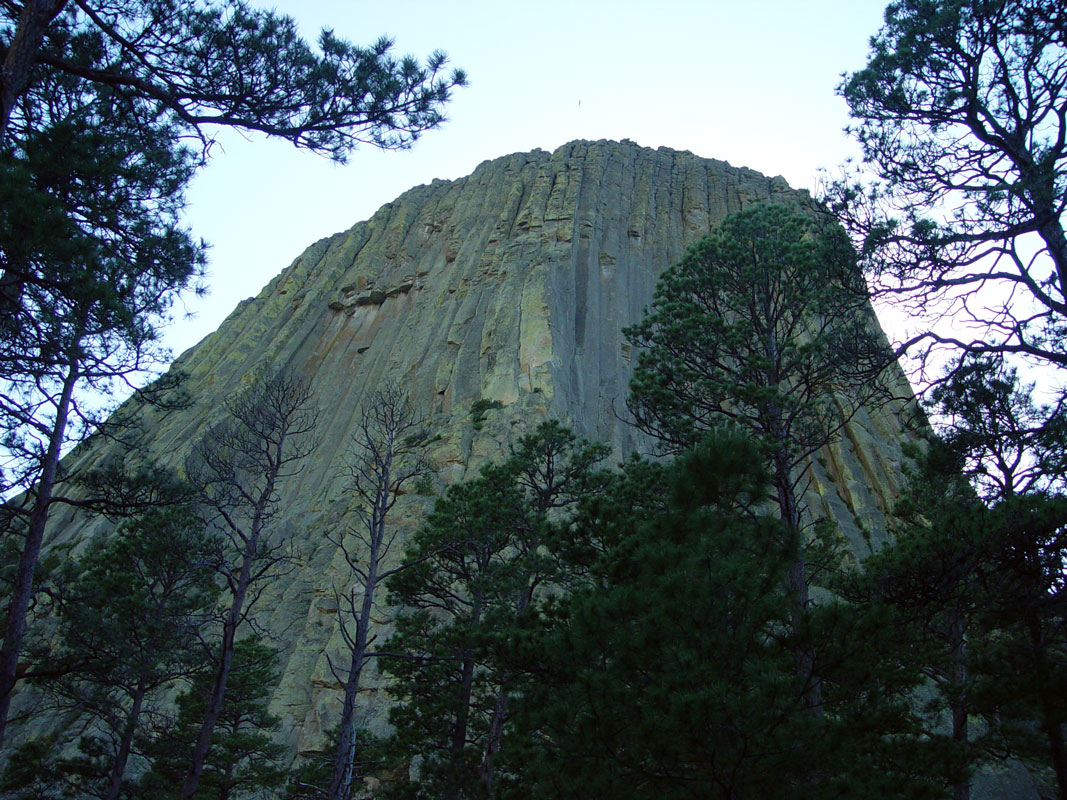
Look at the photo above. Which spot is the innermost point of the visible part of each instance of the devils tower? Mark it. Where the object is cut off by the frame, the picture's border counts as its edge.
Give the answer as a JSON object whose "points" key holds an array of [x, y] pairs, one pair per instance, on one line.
{"points": [[511, 285]]}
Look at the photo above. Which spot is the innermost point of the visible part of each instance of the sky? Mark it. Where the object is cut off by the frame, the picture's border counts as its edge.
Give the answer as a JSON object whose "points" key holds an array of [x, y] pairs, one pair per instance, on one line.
{"points": [[750, 83]]}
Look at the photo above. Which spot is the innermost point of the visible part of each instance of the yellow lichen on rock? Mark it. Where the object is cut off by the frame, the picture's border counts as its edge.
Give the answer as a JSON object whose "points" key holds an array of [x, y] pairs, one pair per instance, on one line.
{"points": [[535, 336]]}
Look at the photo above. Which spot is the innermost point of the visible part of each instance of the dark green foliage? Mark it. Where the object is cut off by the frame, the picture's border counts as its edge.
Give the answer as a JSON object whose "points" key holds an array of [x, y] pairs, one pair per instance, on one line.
{"points": [[92, 254], [980, 591], [98, 104], [244, 759], [644, 645], [197, 64], [675, 662], [34, 772], [976, 571], [758, 324], [129, 619], [672, 672], [481, 559], [927, 585], [639, 490], [138, 594], [1001, 439], [959, 113], [1012, 450], [479, 408], [766, 325], [1020, 654]]}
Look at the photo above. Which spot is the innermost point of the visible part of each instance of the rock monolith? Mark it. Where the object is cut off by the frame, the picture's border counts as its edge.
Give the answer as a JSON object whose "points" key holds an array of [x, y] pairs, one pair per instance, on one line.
{"points": [[510, 285]]}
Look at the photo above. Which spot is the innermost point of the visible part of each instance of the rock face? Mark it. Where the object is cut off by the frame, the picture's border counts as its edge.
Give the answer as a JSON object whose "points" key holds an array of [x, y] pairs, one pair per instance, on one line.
{"points": [[510, 285]]}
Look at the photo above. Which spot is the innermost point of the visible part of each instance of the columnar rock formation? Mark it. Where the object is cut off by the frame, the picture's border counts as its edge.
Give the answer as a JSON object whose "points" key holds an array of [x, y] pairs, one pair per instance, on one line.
{"points": [[511, 285]]}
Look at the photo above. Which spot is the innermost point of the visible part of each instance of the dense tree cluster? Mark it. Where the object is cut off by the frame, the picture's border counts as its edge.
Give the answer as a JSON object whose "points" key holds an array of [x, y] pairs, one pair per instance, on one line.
{"points": [[961, 113]]}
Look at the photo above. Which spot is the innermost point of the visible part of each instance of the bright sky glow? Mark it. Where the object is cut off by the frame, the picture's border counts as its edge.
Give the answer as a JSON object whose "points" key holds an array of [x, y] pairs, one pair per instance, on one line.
{"points": [[749, 83]]}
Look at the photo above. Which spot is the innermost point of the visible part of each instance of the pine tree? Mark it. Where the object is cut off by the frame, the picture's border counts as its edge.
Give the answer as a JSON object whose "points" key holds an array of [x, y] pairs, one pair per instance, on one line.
{"points": [[385, 456], [239, 467], [244, 758], [199, 64], [1011, 449], [671, 672], [764, 324], [478, 563], [930, 579], [959, 114], [976, 571], [129, 628], [668, 668], [107, 271]]}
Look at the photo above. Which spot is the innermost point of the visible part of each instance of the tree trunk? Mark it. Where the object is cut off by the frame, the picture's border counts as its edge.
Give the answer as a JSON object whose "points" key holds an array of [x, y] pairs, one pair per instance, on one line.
{"points": [[22, 592], [463, 709], [495, 734], [222, 674], [1054, 731], [118, 769], [798, 584], [344, 755], [775, 429], [233, 619], [22, 53], [494, 738], [1051, 719], [959, 705], [1050, 229], [211, 715]]}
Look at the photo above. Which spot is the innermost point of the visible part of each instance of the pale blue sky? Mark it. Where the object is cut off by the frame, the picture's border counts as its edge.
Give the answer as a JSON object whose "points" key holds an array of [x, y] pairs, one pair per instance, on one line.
{"points": [[749, 83]]}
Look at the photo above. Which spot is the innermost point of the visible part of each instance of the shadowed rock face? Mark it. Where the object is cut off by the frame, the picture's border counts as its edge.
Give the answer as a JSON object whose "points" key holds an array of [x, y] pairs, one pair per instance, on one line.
{"points": [[513, 285]]}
